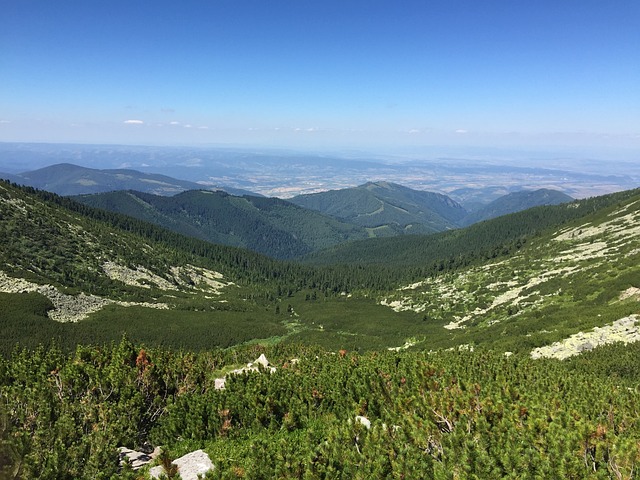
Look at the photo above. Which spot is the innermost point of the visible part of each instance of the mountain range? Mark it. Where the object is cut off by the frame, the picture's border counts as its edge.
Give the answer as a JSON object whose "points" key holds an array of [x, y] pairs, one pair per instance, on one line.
{"points": [[516, 202], [387, 208], [304, 224], [279, 228]]}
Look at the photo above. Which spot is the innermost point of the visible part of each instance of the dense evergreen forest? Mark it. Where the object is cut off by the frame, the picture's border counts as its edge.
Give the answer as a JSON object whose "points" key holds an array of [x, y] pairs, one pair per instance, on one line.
{"points": [[269, 226], [458, 414]]}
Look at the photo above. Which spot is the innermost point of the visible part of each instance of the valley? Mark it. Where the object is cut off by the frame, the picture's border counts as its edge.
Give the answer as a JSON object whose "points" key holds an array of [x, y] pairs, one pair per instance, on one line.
{"points": [[471, 177]]}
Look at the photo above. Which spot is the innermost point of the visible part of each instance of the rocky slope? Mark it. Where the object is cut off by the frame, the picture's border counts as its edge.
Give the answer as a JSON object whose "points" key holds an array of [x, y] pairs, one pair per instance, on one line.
{"points": [[580, 278]]}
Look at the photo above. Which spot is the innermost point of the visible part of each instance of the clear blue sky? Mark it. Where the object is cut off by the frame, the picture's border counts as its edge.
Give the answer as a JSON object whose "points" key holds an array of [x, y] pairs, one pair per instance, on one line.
{"points": [[321, 73]]}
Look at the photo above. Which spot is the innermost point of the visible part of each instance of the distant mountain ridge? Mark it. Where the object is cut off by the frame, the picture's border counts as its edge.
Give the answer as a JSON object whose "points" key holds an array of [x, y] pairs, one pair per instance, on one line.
{"points": [[286, 229], [516, 202], [69, 179]]}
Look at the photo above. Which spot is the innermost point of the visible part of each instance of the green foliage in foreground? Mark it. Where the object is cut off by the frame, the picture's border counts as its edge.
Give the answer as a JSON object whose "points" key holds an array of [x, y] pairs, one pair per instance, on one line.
{"points": [[456, 414]]}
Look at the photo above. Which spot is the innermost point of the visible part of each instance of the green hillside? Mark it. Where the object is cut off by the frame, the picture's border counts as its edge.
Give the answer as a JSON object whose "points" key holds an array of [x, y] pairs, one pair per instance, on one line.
{"points": [[103, 274], [516, 202], [479, 242], [387, 208], [269, 226]]}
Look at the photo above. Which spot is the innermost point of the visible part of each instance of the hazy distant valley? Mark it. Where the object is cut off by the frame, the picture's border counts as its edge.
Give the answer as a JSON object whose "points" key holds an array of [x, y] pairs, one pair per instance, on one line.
{"points": [[472, 178]]}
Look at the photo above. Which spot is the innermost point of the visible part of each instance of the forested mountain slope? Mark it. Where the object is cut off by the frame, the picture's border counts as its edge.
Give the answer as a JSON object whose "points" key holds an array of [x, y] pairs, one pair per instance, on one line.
{"points": [[387, 208], [112, 274], [91, 263], [270, 226], [106, 274]]}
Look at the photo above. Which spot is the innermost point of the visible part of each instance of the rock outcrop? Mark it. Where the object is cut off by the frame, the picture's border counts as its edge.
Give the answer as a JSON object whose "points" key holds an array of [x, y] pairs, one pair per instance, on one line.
{"points": [[67, 308], [623, 330], [137, 459], [363, 421]]}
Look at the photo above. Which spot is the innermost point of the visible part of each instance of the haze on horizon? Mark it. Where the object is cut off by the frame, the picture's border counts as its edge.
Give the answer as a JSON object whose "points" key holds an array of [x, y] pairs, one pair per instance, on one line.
{"points": [[323, 74]]}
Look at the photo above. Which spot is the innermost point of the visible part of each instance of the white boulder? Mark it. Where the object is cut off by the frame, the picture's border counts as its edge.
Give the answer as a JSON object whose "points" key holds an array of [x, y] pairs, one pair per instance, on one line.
{"points": [[191, 466]]}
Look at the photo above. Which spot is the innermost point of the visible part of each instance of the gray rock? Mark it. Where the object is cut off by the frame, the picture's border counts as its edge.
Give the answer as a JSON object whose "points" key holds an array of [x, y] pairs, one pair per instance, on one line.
{"points": [[136, 459], [251, 367], [191, 466]]}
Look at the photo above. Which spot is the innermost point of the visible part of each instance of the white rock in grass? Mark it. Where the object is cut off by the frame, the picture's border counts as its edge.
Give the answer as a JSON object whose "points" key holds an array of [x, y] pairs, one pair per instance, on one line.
{"points": [[364, 421]]}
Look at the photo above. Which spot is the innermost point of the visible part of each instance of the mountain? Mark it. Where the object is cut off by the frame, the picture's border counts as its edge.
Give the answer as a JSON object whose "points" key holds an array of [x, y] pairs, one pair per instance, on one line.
{"points": [[69, 179], [10, 177], [474, 198], [269, 226], [387, 208], [516, 202], [101, 275]]}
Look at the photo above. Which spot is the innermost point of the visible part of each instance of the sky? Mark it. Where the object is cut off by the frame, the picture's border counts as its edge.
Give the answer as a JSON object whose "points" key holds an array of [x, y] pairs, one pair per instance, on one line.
{"points": [[333, 73]]}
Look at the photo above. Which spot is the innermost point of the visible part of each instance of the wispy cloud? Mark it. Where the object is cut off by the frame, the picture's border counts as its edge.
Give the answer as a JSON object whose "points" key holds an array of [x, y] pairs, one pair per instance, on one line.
{"points": [[5, 121], [461, 130], [133, 122], [192, 162]]}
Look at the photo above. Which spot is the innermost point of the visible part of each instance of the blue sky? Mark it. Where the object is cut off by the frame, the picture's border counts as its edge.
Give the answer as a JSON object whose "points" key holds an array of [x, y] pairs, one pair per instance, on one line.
{"points": [[312, 73]]}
